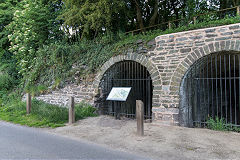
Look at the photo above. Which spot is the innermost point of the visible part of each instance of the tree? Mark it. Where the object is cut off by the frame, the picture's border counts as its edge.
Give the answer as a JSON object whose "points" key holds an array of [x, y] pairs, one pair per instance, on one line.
{"points": [[7, 8], [34, 24], [92, 17]]}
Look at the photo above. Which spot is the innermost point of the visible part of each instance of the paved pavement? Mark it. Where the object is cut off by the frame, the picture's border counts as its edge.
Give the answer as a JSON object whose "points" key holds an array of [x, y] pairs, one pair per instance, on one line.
{"points": [[18, 142]]}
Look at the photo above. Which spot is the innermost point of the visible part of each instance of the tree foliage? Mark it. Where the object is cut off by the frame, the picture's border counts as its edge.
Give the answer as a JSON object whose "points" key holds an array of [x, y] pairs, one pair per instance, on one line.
{"points": [[33, 25], [7, 8], [90, 18]]}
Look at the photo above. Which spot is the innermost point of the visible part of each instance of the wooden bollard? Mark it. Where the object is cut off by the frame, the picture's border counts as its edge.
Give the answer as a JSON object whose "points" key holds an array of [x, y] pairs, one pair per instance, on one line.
{"points": [[71, 113], [194, 20], [140, 117], [29, 103], [169, 25], [238, 10]]}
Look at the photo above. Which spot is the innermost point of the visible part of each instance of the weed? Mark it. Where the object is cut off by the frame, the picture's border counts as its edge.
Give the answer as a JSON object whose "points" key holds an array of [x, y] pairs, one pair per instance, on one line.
{"points": [[221, 125], [217, 124]]}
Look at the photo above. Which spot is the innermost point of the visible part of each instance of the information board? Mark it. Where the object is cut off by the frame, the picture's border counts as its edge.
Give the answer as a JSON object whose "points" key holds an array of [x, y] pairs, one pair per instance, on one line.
{"points": [[119, 94]]}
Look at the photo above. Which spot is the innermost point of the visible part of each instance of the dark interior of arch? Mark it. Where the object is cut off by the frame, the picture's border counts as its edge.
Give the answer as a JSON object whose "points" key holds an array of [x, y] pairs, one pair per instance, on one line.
{"points": [[126, 74], [211, 89]]}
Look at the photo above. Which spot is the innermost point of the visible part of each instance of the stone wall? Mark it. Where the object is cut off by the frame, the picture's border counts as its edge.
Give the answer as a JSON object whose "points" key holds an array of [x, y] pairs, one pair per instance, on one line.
{"points": [[167, 60], [174, 55], [81, 92]]}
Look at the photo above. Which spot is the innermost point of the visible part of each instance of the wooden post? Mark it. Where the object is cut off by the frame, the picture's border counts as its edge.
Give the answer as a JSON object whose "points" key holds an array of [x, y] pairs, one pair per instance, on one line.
{"points": [[71, 113], [117, 110], [238, 10], [194, 20], [140, 117], [29, 103], [169, 25]]}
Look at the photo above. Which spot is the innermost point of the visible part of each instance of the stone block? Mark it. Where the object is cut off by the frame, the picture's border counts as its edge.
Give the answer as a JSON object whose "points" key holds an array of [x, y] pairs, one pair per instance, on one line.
{"points": [[161, 41], [167, 117], [185, 50], [237, 32], [181, 39], [155, 74], [226, 33], [217, 46], [195, 37], [197, 52], [186, 60], [222, 45], [191, 58], [210, 30], [202, 51], [228, 43], [206, 49], [156, 82], [211, 48], [237, 45], [211, 35], [223, 38], [234, 27], [173, 110], [157, 88], [209, 40]]}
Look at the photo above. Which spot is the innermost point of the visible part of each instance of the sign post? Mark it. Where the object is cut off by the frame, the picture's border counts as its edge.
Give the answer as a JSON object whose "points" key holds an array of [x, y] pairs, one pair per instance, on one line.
{"points": [[118, 94]]}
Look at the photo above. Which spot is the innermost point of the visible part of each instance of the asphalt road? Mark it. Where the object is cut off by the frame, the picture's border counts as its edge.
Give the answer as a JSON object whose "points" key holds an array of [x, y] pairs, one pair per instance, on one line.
{"points": [[18, 142]]}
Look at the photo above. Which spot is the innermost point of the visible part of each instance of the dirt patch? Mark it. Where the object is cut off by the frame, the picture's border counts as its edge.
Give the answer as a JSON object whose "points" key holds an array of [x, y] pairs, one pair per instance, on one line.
{"points": [[161, 142]]}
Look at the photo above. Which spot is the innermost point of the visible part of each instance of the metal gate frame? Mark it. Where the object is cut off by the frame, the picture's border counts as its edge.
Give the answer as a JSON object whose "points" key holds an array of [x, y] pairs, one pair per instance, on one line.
{"points": [[213, 90], [128, 74]]}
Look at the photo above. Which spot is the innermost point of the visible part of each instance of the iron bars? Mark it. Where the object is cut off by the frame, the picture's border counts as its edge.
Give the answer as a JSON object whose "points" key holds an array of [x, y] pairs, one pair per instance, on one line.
{"points": [[212, 90], [127, 74]]}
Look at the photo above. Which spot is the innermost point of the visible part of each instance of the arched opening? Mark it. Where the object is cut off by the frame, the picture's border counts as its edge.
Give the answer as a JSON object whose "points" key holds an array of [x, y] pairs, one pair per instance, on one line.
{"points": [[211, 89], [127, 74]]}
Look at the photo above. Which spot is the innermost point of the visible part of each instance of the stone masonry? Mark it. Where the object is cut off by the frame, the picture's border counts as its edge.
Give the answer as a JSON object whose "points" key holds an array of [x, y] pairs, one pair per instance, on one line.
{"points": [[167, 62], [82, 92]]}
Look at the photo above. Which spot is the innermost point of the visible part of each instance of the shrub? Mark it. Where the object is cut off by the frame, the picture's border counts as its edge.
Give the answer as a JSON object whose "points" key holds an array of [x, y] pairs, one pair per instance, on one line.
{"points": [[84, 110], [36, 90], [6, 82], [42, 89]]}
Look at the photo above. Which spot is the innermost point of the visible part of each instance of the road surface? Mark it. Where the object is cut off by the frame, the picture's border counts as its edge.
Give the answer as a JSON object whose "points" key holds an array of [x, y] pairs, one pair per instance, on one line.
{"points": [[19, 142]]}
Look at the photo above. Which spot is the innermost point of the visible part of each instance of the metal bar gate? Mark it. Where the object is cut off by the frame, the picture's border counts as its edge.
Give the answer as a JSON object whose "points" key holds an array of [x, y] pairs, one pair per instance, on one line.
{"points": [[128, 74], [212, 89]]}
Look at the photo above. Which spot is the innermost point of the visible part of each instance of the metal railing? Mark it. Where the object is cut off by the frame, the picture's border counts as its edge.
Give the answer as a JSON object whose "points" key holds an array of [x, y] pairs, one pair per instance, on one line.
{"points": [[194, 20]]}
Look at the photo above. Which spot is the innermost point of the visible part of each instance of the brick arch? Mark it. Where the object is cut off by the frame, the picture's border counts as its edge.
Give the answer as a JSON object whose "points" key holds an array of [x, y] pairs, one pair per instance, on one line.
{"points": [[198, 53], [143, 60]]}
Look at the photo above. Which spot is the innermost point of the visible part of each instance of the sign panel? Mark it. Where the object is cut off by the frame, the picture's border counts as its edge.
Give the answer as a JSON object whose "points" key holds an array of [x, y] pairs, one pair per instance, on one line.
{"points": [[119, 93]]}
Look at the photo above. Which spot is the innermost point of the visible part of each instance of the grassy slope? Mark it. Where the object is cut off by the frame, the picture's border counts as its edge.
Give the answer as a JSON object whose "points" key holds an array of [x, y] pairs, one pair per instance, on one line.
{"points": [[88, 56]]}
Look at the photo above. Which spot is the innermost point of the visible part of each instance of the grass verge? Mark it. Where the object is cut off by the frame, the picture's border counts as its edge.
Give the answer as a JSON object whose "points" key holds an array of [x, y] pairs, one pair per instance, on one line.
{"points": [[42, 114]]}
